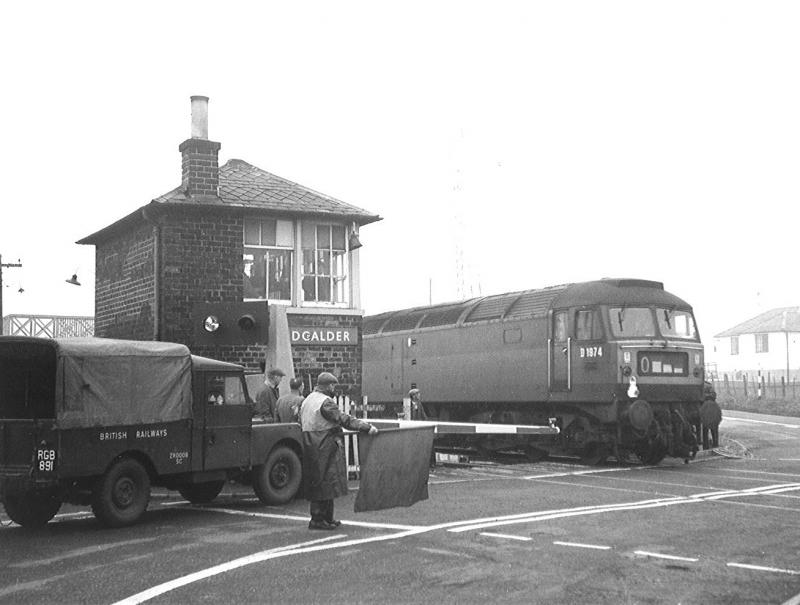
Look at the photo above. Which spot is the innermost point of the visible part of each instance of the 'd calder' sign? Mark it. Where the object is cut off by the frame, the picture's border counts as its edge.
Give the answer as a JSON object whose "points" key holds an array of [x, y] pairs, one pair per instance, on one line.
{"points": [[324, 336]]}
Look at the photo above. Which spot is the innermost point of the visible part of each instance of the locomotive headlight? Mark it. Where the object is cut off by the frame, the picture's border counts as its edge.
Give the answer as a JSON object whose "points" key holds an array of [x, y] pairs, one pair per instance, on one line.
{"points": [[626, 371], [697, 359], [698, 371], [626, 357]]}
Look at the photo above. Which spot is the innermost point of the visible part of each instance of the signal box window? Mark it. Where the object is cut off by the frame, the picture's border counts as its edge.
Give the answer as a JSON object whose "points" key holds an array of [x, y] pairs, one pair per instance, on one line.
{"points": [[268, 249], [762, 343], [587, 325], [324, 263]]}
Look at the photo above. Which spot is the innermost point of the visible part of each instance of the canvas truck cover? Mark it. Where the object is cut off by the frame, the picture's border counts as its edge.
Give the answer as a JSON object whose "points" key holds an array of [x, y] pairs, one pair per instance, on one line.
{"points": [[102, 382]]}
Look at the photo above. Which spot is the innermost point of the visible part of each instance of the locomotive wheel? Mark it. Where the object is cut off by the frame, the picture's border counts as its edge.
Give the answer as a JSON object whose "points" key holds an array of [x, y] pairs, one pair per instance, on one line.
{"points": [[31, 509], [651, 452], [594, 454]]}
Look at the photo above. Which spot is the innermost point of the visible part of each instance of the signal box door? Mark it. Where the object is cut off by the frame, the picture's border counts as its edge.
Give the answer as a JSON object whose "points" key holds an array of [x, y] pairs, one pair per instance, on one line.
{"points": [[227, 426], [560, 345]]}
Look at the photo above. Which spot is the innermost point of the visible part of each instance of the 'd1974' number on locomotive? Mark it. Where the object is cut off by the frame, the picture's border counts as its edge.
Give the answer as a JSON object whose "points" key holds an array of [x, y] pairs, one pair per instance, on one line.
{"points": [[591, 352]]}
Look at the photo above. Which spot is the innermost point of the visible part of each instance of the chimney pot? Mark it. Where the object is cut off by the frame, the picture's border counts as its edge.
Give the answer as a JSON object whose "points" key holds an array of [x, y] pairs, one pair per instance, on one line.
{"points": [[200, 117]]}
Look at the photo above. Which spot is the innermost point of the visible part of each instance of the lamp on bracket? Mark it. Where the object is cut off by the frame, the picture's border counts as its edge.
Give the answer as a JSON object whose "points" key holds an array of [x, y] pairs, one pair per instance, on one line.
{"points": [[73, 280], [353, 241]]}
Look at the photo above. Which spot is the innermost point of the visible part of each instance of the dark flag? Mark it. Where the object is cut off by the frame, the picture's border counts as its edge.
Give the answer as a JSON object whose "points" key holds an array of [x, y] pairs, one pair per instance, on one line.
{"points": [[394, 468]]}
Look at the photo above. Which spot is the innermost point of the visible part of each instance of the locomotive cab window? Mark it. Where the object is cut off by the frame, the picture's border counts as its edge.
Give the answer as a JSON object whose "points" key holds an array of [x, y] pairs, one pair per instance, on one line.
{"points": [[560, 326], [676, 324], [627, 322], [587, 325]]}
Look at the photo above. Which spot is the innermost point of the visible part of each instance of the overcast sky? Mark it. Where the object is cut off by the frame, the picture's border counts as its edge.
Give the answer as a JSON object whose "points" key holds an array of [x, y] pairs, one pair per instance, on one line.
{"points": [[531, 143]]}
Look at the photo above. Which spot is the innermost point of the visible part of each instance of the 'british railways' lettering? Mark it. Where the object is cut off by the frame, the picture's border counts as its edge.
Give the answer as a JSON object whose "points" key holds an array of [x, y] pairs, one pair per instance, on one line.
{"points": [[140, 434], [149, 433], [113, 435]]}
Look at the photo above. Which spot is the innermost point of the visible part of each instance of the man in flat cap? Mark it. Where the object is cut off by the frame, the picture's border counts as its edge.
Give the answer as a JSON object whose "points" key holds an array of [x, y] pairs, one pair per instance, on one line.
{"points": [[324, 466], [266, 399]]}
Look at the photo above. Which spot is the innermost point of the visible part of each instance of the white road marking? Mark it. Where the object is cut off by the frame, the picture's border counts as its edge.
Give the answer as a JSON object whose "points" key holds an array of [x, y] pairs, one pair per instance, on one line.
{"points": [[575, 512], [579, 545], [657, 555], [795, 600], [606, 508], [231, 511], [506, 536], [266, 555], [788, 426], [577, 473], [762, 568], [754, 491], [57, 519]]}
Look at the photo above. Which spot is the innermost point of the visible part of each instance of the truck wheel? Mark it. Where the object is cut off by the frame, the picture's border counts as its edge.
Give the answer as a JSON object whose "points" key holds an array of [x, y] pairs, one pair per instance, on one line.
{"points": [[121, 495], [201, 493], [31, 509], [278, 479]]}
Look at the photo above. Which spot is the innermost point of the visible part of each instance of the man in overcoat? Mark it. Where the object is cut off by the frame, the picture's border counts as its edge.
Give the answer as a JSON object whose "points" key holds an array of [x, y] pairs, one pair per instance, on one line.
{"points": [[266, 399], [324, 466]]}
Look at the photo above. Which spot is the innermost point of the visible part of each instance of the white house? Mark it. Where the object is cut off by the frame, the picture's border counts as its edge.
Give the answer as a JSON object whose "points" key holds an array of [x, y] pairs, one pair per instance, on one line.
{"points": [[769, 343]]}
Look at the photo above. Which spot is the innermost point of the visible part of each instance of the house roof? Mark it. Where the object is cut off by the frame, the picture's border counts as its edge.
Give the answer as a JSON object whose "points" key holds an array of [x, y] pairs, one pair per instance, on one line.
{"points": [[244, 186], [783, 319]]}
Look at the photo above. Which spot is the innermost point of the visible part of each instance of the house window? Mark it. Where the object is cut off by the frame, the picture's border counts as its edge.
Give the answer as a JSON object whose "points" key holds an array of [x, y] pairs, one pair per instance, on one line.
{"points": [[324, 263], [762, 343], [734, 345], [268, 249]]}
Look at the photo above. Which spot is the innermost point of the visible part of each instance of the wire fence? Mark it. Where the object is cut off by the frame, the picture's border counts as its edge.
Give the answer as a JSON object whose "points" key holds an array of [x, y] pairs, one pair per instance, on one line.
{"points": [[759, 387]]}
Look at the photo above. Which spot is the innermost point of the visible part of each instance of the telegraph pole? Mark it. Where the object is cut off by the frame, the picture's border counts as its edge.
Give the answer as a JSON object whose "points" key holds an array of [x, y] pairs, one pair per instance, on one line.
{"points": [[2, 264]]}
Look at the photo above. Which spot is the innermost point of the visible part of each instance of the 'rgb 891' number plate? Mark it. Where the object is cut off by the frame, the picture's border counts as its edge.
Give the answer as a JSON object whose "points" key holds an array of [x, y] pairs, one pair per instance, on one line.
{"points": [[45, 460]]}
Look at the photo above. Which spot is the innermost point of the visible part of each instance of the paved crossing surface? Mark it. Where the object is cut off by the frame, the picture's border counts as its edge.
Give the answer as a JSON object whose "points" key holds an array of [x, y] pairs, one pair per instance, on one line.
{"points": [[722, 529]]}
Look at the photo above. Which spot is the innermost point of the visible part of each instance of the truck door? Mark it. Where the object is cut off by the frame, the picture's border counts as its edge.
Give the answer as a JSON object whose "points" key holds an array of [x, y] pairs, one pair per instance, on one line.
{"points": [[227, 426], [560, 352]]}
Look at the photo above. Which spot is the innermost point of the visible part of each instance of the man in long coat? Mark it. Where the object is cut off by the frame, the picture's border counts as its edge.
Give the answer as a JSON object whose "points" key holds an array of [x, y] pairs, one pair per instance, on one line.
{"points": [[267, 397], [324, 466]]}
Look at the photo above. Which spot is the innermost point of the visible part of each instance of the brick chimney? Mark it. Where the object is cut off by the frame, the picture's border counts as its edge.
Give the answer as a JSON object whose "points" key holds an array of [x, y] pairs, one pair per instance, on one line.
{"points": [[200, 163]]}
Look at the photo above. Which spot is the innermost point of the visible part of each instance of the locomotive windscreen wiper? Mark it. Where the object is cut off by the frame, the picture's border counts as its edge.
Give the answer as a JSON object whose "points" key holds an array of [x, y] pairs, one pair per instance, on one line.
{"points": [[667, 315], [621, 318]]}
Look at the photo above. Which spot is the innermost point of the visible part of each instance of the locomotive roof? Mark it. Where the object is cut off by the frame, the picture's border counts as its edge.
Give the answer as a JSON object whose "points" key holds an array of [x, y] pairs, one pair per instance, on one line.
{"points": [[525, 303]]}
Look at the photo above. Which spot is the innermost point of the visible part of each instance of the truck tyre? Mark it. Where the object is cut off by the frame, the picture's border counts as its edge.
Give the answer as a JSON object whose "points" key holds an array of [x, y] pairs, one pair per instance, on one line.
{"points": [[121, 495], [201, 493], [278, 479], [31, 509]]}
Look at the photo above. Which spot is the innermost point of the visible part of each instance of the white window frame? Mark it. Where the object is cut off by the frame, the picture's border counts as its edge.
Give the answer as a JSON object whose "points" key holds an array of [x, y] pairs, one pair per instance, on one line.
{"points": [[344, 279], [291, 249]]}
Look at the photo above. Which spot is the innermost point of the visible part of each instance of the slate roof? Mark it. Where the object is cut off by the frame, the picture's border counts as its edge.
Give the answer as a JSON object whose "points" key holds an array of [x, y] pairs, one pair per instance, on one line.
{"points": [[783, 319], [242, 185], [246, 186]]}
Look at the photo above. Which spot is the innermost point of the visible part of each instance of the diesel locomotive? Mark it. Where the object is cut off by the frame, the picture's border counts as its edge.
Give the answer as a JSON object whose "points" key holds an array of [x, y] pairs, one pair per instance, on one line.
{"points": [[617, 364]]}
